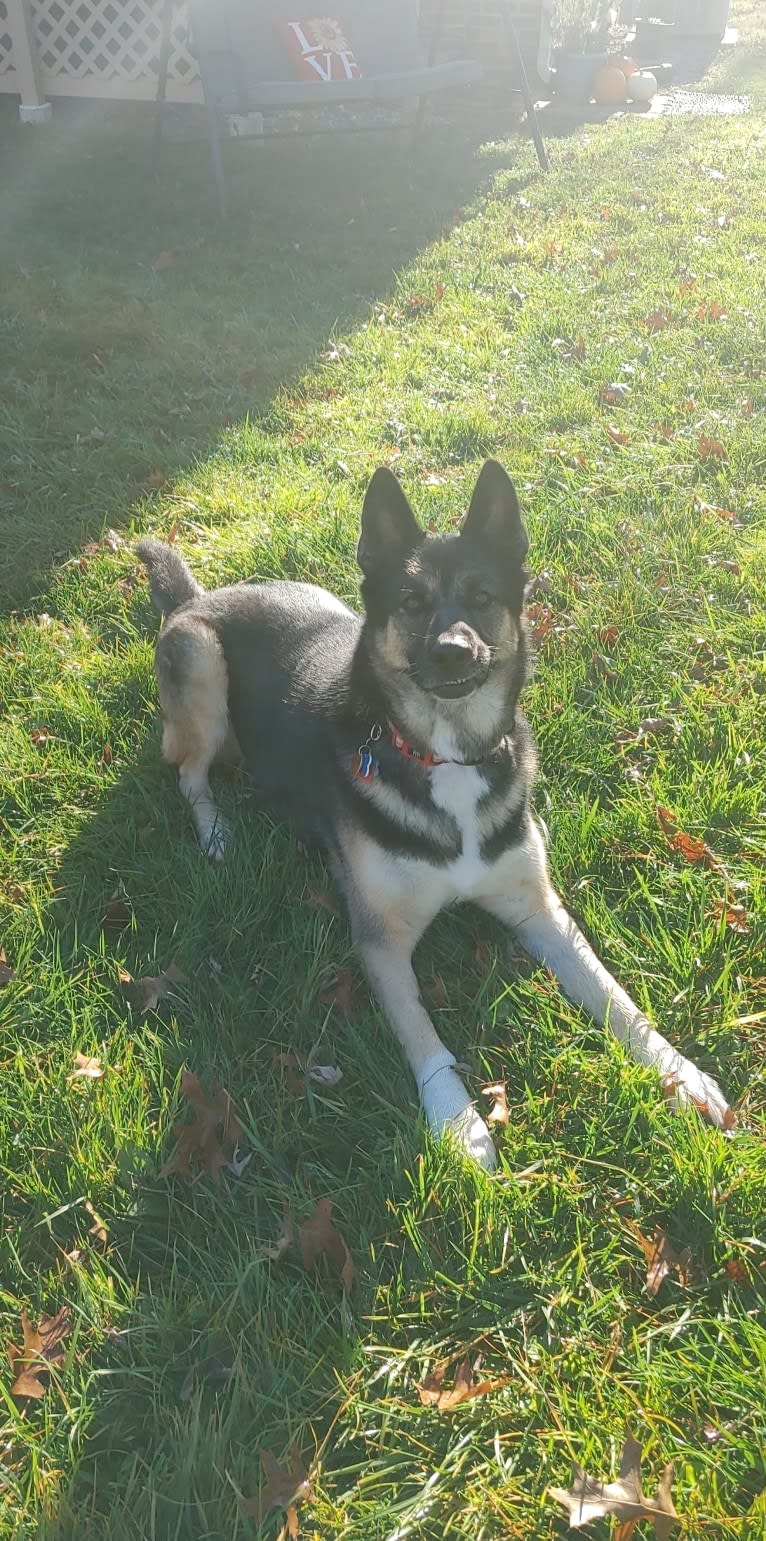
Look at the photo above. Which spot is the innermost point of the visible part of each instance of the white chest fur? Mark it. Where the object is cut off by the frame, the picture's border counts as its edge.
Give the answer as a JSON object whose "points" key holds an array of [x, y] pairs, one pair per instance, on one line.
{"points": [[458, 789]]}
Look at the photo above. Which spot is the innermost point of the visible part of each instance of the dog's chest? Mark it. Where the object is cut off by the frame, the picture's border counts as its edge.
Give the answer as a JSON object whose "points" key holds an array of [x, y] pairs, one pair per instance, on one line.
{"points": [[458, 790]]}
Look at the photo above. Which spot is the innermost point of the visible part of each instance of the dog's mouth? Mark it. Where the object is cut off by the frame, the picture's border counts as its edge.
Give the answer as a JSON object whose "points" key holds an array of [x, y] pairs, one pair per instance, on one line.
{"points": [[453, 689]]}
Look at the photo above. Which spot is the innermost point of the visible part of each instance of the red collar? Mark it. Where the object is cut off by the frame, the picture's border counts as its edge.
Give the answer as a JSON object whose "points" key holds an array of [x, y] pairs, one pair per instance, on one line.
{"points": [[399, 742]]}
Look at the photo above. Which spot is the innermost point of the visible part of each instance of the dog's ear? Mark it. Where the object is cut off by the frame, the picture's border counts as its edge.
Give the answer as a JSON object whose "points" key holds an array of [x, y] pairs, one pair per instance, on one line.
{"points": [[494, 515], [389, 527]]}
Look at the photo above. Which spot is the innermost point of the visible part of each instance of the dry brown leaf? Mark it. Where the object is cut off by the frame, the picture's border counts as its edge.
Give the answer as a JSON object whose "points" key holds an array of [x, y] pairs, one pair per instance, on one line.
{"points": [[156, 477], [318, 1237], [292, 1072], [690, 847], [116, 916], [617, 436], [40, 737], [499, 1112], [709, 448], [147, 993], [284, 1241], [340, 990], [615, 394], [591, 1499], [42, 1348], [6, 972], [658, 320], [282, 1490], [732, 915], [99, 1229], [542, 619], [726, 515], [88, 1066], [608, 635], [737, 1271], [662, 1258], [211, 1140], [465, 1387]]}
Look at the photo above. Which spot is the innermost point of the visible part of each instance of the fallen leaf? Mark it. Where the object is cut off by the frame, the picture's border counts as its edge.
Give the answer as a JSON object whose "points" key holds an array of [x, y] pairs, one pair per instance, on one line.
{"points": [[589, 1498], [499, 1112], [284, 1241], [116, 915], [465, 1387], [318, 1237], [658, 320], [87, 1065], [608, 635], [282, 1490], [732, 915], [324, 1075], [711, 311], [662, 1258], [614, 395], [737, 1271], [616, 436], [147, 993], [293, 1073], [156, 477], [40, 736], [6, 972], [726, 515], [212, 1138], [689, 846], [42, 1348], [340, 991], [107, 755], [710, 449], [657, 725], [99, 1229], [542, 619], [173, 534]]}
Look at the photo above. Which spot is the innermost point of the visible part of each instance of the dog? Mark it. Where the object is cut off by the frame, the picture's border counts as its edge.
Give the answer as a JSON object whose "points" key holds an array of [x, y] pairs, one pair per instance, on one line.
{"points": [[396, 742]]}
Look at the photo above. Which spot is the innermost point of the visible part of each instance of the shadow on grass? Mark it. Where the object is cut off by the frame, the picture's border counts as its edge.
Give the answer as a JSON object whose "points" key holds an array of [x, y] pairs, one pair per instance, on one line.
{"points": [[136, 327]]}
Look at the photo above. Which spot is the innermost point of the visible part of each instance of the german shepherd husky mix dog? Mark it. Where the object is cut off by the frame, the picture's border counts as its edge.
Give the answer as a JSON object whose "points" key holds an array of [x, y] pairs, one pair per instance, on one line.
{"points": [[396, 743]]}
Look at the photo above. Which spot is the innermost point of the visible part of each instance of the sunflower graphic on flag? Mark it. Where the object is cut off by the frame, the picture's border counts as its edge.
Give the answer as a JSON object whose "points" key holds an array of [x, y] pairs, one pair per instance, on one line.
{"points": [[320, 49]]}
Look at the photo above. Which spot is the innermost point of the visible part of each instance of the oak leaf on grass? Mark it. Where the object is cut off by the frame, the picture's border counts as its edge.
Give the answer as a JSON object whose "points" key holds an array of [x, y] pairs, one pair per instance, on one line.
{"points": [[499, 1112], [464, 1388], [147, 993], [284, 1489], [211, 1140], [662, 1259], [589, 1498], [43, 1347]]}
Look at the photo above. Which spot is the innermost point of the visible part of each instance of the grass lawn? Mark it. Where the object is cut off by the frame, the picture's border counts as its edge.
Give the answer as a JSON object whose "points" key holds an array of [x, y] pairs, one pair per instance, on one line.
{"points": [[602, 331]]}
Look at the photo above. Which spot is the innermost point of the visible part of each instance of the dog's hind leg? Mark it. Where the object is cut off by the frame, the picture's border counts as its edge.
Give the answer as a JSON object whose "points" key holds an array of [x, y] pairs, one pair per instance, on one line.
{"points": [[192, 683], [531, 906]]}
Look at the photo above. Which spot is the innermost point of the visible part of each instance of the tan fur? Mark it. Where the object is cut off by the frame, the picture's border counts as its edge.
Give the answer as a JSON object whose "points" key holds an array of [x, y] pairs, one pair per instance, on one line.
{"points": [[196, 726]]}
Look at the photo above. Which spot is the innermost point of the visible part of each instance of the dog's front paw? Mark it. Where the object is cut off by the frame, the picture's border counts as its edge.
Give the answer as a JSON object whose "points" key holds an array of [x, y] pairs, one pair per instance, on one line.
{"points": [[450, 1111], [687, 1086], [214, 842]]}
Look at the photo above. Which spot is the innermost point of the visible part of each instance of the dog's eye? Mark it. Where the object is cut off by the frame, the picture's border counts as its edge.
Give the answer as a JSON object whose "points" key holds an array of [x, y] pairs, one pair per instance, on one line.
{"points": [[414, 603], [480, 598]]}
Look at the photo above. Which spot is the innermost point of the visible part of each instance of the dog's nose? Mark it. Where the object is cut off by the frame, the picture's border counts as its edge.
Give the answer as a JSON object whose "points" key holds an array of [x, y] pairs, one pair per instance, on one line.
{"points": [[451, 652]]}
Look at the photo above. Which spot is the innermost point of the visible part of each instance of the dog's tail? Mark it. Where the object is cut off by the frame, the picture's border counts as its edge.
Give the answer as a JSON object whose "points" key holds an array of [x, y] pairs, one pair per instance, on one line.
{"points": [[170, 580]]}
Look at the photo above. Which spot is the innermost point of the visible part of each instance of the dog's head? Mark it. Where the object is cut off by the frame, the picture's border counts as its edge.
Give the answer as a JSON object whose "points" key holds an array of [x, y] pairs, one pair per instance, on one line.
{"points": [[444, 611]]}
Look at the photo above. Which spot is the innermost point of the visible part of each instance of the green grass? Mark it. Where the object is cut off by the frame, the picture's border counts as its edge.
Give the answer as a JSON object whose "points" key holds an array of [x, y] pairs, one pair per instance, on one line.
{"points": [[214, 372]]}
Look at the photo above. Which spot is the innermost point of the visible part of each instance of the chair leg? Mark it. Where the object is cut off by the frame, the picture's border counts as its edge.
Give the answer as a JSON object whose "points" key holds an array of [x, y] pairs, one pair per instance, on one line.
{"points": [[218, 171], [542, 154]]}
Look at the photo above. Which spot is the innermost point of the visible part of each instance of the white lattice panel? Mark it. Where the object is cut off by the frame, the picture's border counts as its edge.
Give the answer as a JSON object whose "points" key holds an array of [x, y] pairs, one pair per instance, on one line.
{"points": [[112, 39], [6, 43]]}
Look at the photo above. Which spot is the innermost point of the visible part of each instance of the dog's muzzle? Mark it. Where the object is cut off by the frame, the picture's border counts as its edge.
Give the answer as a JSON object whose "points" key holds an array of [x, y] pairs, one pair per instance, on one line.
{"points": [[457, 664]]}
